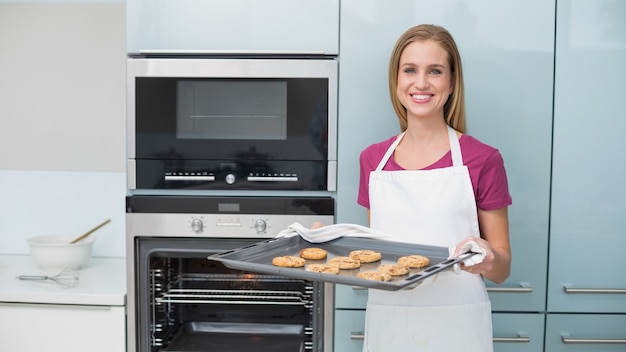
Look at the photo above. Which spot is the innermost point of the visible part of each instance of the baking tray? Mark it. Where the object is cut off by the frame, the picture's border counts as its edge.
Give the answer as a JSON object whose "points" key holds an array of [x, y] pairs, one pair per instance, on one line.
{"points": [[258, 257], [237, 337]]}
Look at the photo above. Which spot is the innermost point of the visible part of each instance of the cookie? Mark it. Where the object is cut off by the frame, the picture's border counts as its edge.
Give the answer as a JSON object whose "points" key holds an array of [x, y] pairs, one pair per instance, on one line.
{"points": [[394, 269], [374, 275], [413, 261], [344, 262], [323, 268], [366, 255], [288, 261], [313, 253]]}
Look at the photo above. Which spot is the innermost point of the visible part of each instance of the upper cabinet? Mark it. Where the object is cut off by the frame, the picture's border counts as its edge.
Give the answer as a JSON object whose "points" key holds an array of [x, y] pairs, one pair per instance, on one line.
{"points": [[588, 237], [508, 84], [233, 26]]}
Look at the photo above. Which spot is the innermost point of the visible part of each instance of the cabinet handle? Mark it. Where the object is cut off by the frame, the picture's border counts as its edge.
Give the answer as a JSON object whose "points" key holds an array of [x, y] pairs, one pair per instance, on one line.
{"points": [[573, 340], [359, 288], [511, 339], [524, 287], [361, 336], [569, 289], [357, 336]]}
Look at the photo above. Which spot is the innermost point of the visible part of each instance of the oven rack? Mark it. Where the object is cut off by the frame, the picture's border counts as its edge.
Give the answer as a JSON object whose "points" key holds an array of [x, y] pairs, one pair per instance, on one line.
{"points": [[208, 296]]}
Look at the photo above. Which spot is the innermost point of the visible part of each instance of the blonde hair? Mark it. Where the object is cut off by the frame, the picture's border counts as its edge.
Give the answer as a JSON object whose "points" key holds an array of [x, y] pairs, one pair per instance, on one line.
{"points": [[454, 108]]}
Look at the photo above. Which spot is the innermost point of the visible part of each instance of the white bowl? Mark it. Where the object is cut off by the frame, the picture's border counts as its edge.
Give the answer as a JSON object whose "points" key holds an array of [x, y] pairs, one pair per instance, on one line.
{"points": [[54, 252]]}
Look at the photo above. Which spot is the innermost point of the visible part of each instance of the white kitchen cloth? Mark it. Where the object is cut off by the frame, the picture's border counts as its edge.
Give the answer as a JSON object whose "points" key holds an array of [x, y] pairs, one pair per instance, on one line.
{"points": [[470, 246], [334, 231]]}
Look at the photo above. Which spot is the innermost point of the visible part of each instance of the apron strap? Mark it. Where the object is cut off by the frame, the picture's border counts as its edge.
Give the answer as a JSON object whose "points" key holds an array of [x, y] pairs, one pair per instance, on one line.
{"points": [[455, 148], [390, 150]]}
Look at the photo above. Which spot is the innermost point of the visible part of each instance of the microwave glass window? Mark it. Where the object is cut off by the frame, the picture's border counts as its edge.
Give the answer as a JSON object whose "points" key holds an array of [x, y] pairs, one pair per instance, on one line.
{"points": [[232, 109]]}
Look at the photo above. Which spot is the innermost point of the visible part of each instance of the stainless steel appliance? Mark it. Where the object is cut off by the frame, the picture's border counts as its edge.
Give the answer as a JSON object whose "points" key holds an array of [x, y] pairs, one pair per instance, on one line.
{"points": [[180, 300], [232, 123]]}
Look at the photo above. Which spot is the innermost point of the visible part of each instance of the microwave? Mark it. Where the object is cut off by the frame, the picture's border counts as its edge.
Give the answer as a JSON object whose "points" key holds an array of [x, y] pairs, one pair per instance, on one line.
{"points": [[232, 123]]}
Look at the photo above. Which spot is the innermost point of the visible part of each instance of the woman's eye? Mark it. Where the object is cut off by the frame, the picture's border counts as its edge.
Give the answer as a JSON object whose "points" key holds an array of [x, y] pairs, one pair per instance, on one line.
{"points": [[409, 70], [435, 71]]}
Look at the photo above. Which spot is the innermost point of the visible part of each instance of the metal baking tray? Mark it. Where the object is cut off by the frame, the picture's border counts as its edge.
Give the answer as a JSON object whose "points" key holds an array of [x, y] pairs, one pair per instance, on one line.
{"points": [[237, 337], [258, 257]]}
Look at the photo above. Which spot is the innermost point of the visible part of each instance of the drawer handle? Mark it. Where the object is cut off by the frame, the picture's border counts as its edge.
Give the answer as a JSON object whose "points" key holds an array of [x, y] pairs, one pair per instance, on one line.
{"points": [[511, 339], [357, 336], [359, 288], [569, 289], [524, 287], [361, 336], [573, 340]]}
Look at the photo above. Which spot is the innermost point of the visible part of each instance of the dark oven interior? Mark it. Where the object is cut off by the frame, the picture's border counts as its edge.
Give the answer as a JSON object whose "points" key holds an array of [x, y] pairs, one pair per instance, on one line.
{"points": [[186, 302]]}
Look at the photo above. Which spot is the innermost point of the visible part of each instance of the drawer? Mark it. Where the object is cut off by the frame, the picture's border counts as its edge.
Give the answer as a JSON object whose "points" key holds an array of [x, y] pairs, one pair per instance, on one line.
{"points": [[351, 297], [349, 327], [585, 332], [513, 332]]}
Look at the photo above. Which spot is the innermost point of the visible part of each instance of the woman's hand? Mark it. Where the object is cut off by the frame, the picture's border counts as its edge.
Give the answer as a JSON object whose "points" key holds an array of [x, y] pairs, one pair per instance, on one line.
{"points": [[494, 239], [316, 225], [480, 268]]}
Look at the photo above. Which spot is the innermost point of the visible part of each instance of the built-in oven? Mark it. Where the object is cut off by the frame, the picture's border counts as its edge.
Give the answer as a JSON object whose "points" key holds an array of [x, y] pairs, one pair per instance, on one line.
{"points": [[180, 300], [232, 123]]}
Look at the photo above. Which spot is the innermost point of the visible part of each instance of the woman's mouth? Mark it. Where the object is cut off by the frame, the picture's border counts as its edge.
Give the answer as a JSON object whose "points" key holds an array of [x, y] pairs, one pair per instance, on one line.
{"points": [[420, 97]]}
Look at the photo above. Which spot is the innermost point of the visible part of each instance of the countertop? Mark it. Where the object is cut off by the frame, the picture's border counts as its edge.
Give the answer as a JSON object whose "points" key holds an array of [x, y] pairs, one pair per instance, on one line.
{"points": [[102, 282]]}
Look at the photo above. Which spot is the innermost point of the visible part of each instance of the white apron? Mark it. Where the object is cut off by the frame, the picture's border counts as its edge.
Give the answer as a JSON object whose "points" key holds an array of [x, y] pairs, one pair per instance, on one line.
{"points": [[451, 311]]}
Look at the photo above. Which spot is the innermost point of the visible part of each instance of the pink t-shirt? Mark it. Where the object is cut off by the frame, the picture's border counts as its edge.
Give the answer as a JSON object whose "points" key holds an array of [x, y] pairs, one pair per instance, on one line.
{"points": [[485, 164]]}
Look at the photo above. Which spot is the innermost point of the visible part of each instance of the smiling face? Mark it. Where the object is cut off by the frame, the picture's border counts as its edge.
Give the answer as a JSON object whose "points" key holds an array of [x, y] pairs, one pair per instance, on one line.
{"points": [[425, 79]]}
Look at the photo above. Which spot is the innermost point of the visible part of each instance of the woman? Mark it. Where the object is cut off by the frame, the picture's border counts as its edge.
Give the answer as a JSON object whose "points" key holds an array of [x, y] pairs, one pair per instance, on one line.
{"points": [[435, 185]]}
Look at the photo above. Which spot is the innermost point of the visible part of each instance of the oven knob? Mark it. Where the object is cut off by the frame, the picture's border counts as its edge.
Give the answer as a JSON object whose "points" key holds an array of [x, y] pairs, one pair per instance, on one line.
{"points": [[260, 226], [230, 179], [197, 225]]}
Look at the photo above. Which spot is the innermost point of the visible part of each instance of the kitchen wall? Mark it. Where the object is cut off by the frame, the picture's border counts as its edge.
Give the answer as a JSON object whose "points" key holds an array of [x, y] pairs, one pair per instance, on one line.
{"points": [[62, 122]]}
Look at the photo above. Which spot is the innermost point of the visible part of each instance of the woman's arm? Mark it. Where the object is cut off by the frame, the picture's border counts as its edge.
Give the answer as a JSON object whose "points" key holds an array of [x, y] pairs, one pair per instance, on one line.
{"points": [[494, 232]]}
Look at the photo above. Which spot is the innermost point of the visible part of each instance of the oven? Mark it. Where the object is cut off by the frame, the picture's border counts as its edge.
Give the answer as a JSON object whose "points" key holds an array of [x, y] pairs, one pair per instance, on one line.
{"points": [[232, 123], [180, 300]]}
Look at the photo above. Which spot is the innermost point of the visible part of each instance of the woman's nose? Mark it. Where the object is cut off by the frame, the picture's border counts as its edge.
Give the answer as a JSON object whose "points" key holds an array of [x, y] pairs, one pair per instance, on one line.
{"points": [[420, 81]]}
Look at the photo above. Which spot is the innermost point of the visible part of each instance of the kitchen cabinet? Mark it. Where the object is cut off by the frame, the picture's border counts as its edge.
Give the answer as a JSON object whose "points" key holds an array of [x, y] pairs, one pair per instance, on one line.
{"points": [[68, 328], [517, 332], [233, 26], [585, 332], [512, 332], [349, 327], [509, 90], [508, 84], [588, 237], [42, 316]]}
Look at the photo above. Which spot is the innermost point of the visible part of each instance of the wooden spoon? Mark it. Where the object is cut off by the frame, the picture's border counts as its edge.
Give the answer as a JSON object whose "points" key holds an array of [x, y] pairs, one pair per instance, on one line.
{"points": [[90, 231]]}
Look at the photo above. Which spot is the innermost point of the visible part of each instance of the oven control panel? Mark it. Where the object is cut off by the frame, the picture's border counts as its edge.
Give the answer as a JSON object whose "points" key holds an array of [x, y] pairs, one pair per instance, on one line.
{"points": [[247, 225], [217, 226], [223, 217]]}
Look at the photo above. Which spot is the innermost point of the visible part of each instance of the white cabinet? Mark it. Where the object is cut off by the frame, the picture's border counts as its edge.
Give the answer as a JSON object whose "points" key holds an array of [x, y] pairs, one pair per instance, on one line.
{"points": [[233, 26], [42, 316], [68, 328]]}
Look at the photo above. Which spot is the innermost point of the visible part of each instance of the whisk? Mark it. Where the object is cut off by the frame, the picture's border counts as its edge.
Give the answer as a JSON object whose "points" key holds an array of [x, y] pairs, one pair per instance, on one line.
{"points": [[67, 278]]}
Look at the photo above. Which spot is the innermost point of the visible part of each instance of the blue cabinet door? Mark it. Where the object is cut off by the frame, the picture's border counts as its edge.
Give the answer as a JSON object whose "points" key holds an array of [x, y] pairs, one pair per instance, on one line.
{"points": [[588, 236], [508, 53], [518, 332], [585, 332], [349, 327], [350, 297], [233, 26]]}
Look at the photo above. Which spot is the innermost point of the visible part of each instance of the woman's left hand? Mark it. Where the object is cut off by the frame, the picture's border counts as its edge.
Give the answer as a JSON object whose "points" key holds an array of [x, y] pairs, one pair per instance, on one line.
{"points": [[480, 268]]}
